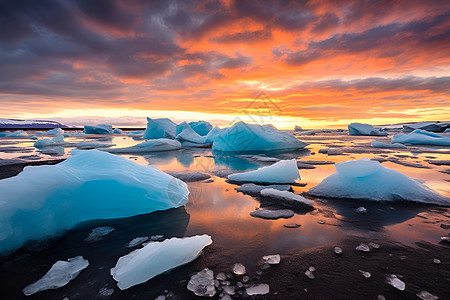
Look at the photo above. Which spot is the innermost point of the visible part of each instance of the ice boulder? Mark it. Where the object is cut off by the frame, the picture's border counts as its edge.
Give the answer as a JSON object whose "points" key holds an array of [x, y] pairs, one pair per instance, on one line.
{"points": [[156, 258], [18, 134], [149, 146], [59, 275], [189, 135], [377, 144], [99, 129], [369, 180], [117, 131], [160, 128], [242, 137], [364, 129], [89, 185], [284, 171], [201, 127], [56, 141], [421, 137], [55, 131]]}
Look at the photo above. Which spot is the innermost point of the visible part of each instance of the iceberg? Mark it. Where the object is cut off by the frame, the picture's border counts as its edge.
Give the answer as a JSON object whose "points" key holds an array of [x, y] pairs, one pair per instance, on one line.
{"points": [[189, 135], [377, 144], [428, 126], [243, 137], [99, 129], [156, 258], [286, 196], [159, 128], [4, 133], [212, 135], [89, 185], [149, 146], [18, 134], [368, 179], [56, 141], [201, 127], [55, 131], [421, 137], [117, 131], [284, 171], [180, 127], [364, 129], [59, 275]]}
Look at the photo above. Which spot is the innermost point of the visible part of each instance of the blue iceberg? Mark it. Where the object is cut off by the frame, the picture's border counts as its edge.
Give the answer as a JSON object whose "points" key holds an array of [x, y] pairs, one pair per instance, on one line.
{"points": [[369, 180], [201, 127], [160, 128], [284, 171], [364, 129], [56, 141], [98, 129], [243, 137], [421, 137], [43, 201]]}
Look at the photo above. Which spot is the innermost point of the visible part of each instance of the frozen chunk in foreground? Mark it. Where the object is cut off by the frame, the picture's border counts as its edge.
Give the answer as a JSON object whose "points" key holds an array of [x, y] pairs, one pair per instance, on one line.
{"points": [[364, 129], [286, 196], [160, 128], [90, 184], [149, 146], [284, 171], [99, 129], [243, 137], [201, 127], [59, 275], [202, 283], [421, 137], [156, 258], [368, 179], [377, 144], [272, 214], [56, 141]]}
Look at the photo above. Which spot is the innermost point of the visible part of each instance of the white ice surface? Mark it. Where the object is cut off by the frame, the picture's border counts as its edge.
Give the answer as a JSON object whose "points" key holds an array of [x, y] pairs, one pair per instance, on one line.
{"points": [[284, 171]]}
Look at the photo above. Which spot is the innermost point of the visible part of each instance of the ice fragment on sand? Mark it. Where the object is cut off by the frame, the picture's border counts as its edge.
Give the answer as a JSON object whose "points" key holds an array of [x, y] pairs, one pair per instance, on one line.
{"points": [[337, 250], [363, 247], [202, 283], [260, 289], [239, 269], [365, 274], [395, 282], [424, 295], [272, 259]]}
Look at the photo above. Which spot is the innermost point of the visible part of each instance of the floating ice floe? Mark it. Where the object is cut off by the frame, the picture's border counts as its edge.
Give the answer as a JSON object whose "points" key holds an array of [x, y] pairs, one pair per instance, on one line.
{"points": [[364, 129], [18, 134], [361, 210], [55, 131], [59, 275], [242, 137], [56, 141], [92, 145], [153, 145], [202, 283], [311, 132], [260, 289], [98, 233], [201, 127], [286, 196], [137, 241], [428, 126], [369, 180], [284, 171], [272, 214], [377, 144], [98, 129], [155, 258], [160, 128], [90, 184], [421, 137], [117, 131], [255, 189]]}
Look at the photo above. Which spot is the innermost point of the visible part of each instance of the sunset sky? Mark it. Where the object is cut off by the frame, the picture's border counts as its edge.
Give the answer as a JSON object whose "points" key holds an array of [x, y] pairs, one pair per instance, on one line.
{"points": [[317, 63]]}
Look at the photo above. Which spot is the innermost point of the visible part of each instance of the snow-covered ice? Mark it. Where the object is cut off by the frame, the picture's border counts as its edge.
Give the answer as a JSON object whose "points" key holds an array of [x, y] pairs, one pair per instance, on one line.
{"points": [[272, 214], [160, 128], [421, 137], [260, 289], [98, 129], [202, 283], [153, 145], [286, 196], [90, 184], [368, 179], [255, 189], [284, 171], [364, 129], [59, 275], [56, 141], [377, 144], [243, 137], [155, 258]]}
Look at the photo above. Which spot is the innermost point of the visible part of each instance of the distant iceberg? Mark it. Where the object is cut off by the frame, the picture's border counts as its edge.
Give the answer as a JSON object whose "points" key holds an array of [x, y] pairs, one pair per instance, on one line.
{"points": [[242, 137], [98, 129], [428, 126], [189, 135], [364, 129], [55, 131], [284, 171], [117, 131], [43, 201], [18, 134], [56, 141], [369, 180], [201, 127], [377, 144], [421, 137], [156, 258], [149, 146], [160, 128]]}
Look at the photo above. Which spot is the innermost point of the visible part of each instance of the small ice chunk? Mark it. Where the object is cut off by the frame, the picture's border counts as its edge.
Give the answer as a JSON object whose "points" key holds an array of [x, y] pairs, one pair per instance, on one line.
{"points": [[365, 274], [284, 171], [230, 290], [272, 259], [312, 269], [363, 247], [361, 210], [377, 144], [239, 269], [161, 297], [381, 297], [59, 275], [421, 137], [225, 297], [272, 214], [202, 283], [364, 129], [255, 189], [286, 196], [245, 279], [56, 141], [260, 289], [424, 295], [337, 250], [309, 274], [97, 233], [436, 260], [137, 241], [221, 276], [374, 245], [105, 292], [156, 237], [395, 282]]}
